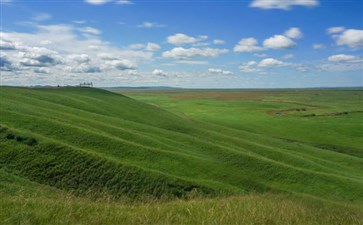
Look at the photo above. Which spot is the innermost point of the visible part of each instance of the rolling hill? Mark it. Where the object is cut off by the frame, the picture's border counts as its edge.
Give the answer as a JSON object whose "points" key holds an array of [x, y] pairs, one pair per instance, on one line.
{"points": [[92, 142]]}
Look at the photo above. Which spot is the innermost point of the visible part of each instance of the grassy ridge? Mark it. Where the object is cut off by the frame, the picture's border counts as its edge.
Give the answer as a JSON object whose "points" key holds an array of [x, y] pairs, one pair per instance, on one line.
{"points": [[87, 134], [26, 202]]}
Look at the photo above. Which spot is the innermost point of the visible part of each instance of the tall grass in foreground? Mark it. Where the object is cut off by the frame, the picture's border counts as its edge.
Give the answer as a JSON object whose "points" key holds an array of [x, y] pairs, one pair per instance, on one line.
{"points": [[252, 209]]}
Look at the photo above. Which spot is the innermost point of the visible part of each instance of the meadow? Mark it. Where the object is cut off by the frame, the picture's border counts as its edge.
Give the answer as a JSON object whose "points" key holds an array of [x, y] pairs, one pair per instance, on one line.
{"points": [[91, 156]]}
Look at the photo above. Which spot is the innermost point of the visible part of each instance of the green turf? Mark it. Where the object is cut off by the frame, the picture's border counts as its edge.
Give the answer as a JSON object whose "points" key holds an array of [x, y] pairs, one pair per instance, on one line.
{"points": [[180, 144]]}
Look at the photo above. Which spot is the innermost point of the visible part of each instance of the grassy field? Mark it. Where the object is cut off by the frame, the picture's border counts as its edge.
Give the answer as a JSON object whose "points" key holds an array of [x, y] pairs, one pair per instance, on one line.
{"points": [[325, 118], [90, 156]]}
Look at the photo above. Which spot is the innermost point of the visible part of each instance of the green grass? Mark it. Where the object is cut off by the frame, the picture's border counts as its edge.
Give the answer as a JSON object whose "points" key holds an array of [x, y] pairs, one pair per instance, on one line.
{"points": [[62, 148]]}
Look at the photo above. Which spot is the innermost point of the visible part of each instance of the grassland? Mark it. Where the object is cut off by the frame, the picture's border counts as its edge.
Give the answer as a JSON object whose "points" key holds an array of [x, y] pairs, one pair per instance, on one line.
{"points": [[185, 157]]}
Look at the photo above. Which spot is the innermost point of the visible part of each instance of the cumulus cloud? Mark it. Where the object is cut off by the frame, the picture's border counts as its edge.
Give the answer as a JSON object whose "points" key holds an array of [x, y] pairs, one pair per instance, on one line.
{"points": [[247, 45], [122, 64], [260, 67], [249, 67], [333, 30], [294, 33], [159, 72], [83, 68], [8, 45], [39, 56], [351, 37], [81, 58], [282, 4], [61, 50], [220, 71], [184, 53], [270, 62], [180, 39], [278, 42], [341, 63], [150, 25], [152, 47], [41, 70], [343, 58], [275, 42]]}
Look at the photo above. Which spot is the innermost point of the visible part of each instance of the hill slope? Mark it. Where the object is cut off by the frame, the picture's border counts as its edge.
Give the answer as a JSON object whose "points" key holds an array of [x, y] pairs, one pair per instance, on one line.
{"points": [[91, 140]]}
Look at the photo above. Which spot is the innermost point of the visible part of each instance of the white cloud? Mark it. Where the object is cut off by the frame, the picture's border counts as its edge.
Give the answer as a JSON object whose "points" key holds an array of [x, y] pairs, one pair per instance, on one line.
{"points": [[333, 30], [90, 30], [341, 63], [351, 37], [282, 4], [180, 39], [41, 70], [249, 67], [60, 50], [278, 42], [79, 21], [124, 2], [83, 68], [42, 17], [260, 67], [152, 47], [8, 45], [270, 62], [184, 53], [159, 72], [220, 71], [319, 46], [218, 42], [343, 58], [81, 58], [121, 64], [150, 25], [247, 45], [288, 56], [137, 46], [294, 33]]}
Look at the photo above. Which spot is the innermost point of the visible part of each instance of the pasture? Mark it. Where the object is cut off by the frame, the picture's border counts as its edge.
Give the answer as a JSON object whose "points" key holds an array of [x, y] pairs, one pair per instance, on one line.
{"points": [[91, 156]]}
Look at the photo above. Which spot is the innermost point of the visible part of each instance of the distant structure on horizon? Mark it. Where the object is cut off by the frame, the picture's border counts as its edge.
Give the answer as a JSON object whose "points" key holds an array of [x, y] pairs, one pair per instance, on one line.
{"points": [[84, 84]]}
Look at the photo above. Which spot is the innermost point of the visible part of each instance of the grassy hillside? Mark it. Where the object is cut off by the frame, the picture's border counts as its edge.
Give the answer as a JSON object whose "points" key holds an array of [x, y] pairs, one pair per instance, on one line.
{"points": [[326, 118], [91, 142]]}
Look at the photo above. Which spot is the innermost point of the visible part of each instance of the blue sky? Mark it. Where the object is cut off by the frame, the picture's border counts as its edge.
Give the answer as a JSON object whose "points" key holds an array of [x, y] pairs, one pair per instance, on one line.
{"points": [[198, 44]]}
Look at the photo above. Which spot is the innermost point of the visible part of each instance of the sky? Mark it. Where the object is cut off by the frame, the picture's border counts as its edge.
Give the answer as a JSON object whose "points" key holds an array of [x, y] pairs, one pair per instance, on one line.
{"points": [[183, 43]]}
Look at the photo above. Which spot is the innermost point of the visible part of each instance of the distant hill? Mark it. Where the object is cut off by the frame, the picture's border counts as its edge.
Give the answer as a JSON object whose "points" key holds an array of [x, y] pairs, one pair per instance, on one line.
{"points": [[142, 88]]}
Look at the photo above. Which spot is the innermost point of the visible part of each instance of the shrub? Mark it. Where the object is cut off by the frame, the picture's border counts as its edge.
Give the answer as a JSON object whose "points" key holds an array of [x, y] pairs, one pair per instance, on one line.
{"points": [[10, 136]]}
